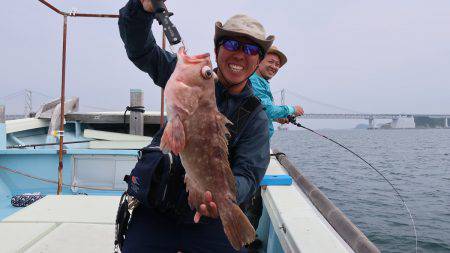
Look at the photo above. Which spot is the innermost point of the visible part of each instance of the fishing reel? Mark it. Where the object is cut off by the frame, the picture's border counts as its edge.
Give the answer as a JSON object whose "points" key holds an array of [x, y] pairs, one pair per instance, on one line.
{"points": [[163, 15], [293, 120]]}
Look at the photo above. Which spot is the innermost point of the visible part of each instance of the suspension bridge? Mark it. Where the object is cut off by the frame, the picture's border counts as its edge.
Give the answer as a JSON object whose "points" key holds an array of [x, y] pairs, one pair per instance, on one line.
{"points": [[398, 120]]}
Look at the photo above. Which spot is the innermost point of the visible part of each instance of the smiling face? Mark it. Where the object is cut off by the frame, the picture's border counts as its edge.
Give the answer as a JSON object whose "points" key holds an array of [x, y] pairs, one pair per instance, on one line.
{"points": [[236, 67], [269, 66]]}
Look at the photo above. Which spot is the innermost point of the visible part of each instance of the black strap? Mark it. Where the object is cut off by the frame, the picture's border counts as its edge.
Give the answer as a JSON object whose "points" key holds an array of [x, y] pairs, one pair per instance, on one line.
{"points": [[241, 116], [122, 221]]}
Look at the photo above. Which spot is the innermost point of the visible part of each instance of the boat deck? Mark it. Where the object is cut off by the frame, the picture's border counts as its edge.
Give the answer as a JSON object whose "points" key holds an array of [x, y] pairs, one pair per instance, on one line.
{"points": [[80, 223], [65, 223]]}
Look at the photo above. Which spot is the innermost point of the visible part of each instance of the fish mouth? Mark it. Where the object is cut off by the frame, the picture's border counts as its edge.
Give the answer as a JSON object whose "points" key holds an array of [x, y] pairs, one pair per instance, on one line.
{"points": [[193, 59]]}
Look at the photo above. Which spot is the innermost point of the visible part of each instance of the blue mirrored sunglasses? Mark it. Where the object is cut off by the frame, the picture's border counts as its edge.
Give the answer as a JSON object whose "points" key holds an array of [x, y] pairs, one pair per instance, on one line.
{"points": [[234, 45]]}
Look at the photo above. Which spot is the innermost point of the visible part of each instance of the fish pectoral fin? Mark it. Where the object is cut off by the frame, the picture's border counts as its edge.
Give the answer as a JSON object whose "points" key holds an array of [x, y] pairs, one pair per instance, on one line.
{"points": [[187, 98], [174, 138], [195, 195]]}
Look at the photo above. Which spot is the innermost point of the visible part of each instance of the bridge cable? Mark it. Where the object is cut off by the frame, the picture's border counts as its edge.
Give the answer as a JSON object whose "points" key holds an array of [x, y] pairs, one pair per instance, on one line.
{"points": [[12, 95], [43, 94], [81, 105], [293, 121], [321, 103]]}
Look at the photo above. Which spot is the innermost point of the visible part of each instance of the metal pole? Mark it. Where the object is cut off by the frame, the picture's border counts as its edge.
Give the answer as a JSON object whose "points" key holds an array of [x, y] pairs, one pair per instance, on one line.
{"points": [[161, 118], [62, 100], [52, 7], [63, 96], [2, 114], [89, 15], [2, 127], [136, 117]]}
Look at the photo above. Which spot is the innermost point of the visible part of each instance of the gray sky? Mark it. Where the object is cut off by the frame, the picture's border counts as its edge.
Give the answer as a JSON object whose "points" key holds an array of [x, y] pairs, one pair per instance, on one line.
{"points": [[369, 56]]}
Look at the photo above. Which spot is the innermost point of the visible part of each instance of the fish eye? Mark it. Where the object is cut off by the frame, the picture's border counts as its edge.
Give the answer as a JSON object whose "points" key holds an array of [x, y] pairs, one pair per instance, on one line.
{"points": [[207, 73]]}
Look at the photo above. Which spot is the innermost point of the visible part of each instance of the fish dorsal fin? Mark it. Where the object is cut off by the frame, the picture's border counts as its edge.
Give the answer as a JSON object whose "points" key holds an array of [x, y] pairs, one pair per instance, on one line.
{"points": [[223, 132]]}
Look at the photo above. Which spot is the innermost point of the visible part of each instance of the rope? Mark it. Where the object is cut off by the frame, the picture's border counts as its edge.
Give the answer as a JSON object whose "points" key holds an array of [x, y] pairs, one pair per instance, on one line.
{"points": [[135, 109], [131, 109], [293, 121], [52, 181], [46, 144]]}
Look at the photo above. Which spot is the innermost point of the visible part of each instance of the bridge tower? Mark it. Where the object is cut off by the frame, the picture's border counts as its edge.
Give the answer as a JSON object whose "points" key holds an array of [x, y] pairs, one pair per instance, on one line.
{"points": [[28, 103], [403, 121], [446, 122], [394, 123]]}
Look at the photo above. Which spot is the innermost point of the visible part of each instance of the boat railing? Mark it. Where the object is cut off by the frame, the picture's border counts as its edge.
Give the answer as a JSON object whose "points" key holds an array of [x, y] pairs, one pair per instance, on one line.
{"points": [[336, 218]]}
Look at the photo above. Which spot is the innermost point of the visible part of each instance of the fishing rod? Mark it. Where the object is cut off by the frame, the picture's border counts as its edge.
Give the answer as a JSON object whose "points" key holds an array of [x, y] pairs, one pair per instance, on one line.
{"points": [[293, 121]]}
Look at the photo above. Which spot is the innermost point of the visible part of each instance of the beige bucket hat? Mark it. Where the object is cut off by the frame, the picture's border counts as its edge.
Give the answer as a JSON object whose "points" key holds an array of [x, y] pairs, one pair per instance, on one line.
{"points": [[274, 50], [245, 26]]}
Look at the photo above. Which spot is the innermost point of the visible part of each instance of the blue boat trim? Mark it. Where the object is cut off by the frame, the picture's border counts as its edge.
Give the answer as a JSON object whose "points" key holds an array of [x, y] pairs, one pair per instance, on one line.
{"points": [[276, 180]]}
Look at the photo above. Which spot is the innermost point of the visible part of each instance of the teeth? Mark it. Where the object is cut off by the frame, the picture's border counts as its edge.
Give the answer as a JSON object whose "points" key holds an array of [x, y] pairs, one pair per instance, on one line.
{"points": [[235, 68]]}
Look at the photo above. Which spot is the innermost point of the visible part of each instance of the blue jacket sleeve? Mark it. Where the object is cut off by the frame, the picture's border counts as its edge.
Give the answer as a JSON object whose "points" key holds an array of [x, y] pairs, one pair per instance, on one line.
{"points": [[273, 111], [251, 157], [136, 33]]}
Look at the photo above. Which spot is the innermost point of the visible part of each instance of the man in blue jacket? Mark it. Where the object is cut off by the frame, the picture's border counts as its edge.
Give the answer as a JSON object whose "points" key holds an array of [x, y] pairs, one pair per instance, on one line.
{"points": [[267, 69], [240, 45]]}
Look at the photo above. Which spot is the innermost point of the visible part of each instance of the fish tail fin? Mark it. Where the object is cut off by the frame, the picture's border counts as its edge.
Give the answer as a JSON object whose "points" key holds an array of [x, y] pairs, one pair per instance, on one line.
{"points": [[236, 225], [173, 138]]}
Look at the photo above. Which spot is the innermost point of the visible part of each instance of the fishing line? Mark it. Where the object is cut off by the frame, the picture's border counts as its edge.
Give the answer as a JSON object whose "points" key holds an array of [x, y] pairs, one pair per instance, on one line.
{"points": [[294, 122]]}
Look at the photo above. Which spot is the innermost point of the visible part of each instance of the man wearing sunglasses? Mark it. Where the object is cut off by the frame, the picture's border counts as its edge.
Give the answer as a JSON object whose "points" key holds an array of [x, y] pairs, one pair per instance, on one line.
{"points": [[240, 45], [268, 68]]}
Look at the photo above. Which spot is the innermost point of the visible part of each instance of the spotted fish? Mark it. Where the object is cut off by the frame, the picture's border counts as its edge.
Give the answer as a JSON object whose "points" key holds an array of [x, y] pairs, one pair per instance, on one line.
{"points": [[196, 131]]}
